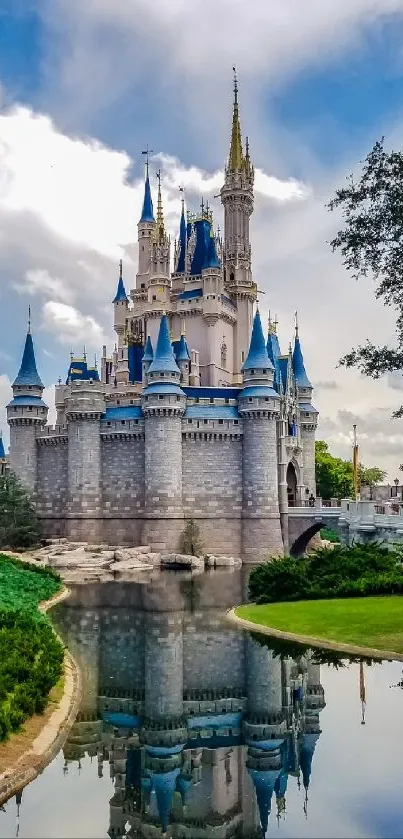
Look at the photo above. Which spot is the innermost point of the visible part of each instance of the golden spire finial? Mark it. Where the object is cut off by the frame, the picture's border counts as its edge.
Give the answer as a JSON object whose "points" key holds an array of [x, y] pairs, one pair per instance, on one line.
{"points": [[159, 228], [272, 324], [236, 158]]}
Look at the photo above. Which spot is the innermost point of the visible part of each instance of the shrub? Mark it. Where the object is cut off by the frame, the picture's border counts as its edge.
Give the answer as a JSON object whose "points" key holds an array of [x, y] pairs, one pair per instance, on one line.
{"points": [[19, 524], [330, 535], [191, 543], [340, 571]]}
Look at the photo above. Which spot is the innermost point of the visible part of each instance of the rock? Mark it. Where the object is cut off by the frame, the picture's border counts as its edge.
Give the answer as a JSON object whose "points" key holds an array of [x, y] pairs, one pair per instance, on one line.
{"points": [[131, 565], [181, 561], [142, 549], [221, 561]]}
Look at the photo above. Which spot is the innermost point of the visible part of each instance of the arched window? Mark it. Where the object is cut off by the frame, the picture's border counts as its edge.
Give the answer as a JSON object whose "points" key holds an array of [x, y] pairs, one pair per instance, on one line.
{"points": [[224, 356]]}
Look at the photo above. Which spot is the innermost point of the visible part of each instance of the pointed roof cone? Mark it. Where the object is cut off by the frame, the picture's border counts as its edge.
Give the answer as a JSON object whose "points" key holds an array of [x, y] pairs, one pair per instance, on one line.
{"points": [[164, 785], [298, 365], [236, 159], [257, 356], [182, 242], [212, 260], [121, 291], [147, 213], [183, 352], [148, 351], [2, 450], [28, 373], [263, 782], [160, 228], [306, 755], [164, 359]]}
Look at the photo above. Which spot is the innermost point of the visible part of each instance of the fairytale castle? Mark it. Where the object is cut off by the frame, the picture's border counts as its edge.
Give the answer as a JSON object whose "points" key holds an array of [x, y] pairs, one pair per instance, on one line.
{"points": [[196, 414]]}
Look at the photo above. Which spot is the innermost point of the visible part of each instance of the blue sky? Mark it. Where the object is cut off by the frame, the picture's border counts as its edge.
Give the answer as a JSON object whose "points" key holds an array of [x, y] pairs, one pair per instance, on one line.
{"points": [[84, 85]]}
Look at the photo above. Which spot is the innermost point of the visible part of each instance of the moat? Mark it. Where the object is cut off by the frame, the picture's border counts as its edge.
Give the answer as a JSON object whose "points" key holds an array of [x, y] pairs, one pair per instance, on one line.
{"points": [[191, 728]]}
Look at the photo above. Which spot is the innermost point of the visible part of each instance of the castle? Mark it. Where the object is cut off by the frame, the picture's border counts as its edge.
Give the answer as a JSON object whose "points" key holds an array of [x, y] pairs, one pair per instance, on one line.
{"points": [[195, 414]]}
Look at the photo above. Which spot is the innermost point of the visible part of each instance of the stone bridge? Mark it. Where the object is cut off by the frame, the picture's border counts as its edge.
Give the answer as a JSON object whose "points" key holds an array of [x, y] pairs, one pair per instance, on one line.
{"points": [[354, 521]]}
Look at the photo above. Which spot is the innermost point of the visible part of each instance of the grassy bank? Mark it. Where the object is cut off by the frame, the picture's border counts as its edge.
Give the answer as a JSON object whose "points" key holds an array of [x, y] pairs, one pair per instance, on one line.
{"points": [[31, 657], [366, 622]]}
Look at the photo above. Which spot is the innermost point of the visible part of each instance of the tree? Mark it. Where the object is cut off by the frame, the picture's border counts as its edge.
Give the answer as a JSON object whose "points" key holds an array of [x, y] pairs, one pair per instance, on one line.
{"points": [[334, 476], [191, 543], [371, 245], [19, 525]]}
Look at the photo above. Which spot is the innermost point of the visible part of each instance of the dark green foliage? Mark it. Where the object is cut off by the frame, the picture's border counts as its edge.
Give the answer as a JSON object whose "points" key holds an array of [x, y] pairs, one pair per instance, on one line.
{"points": [[330, 535], [191, 543], [334, 476], [371, 243], [19, 525], [341, 571], [31, 656], [292, 649]]}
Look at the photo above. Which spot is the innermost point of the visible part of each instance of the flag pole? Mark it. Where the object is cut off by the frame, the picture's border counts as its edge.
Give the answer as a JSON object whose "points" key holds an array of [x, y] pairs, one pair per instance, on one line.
{"points": [[355, 462]]}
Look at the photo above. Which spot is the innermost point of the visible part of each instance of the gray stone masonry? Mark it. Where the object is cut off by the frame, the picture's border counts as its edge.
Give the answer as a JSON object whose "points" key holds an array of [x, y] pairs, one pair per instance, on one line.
{"points": [[261, 526], [51, 498], [122, 483], [263, 678], [84, 408], [23, 452], [163, 635], [308, 454], [163, 510]]}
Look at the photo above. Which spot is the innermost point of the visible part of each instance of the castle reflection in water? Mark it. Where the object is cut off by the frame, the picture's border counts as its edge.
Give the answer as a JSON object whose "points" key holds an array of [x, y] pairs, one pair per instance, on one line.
{"points": [[200, 726]]}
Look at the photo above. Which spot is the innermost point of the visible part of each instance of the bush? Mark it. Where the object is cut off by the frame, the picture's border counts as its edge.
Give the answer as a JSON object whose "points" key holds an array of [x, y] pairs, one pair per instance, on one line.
{"points": [[341, 571], [31, 656], [191, 543]]}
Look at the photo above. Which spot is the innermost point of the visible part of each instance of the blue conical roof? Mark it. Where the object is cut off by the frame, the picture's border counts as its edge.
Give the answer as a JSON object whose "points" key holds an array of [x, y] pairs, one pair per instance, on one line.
{"points": [[182, 243], [298, 365], [2, 451], [183, 785], [121, 291], [28, 374], [164, 785], [264, 781], [164, 359], [306, 755], [212, 260], [274, 352], [147, 213], [257, 356], [148, 351], [183, 352]]}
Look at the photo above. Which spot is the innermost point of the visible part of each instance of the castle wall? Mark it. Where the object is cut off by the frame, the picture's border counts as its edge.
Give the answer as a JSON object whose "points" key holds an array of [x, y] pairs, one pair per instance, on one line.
{"points": [[51, 495], [122, 483], [212, 488], [122, 629], [212, 654], [84, 480], [163, 514], [308, 459], [261, 536]]}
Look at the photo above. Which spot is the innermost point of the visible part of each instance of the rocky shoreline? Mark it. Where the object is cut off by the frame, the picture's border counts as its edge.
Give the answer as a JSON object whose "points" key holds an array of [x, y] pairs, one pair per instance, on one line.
{"points": [[81, 562]]}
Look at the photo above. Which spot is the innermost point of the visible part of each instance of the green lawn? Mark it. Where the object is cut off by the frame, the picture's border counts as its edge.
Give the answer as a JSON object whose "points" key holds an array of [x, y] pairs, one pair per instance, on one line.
{"points": [[365, 621]]}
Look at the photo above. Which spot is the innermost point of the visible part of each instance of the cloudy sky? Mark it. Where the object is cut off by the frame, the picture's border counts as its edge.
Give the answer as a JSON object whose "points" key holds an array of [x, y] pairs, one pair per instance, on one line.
{"points": [[86, 84]]}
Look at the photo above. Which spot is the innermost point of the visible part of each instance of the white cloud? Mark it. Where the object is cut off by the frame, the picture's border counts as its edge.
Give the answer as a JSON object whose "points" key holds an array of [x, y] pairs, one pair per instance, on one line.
{"points": [[39, 281], [71, 327]]}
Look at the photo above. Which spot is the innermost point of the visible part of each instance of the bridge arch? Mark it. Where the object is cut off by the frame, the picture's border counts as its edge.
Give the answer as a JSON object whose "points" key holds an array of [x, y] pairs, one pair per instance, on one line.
{"points": [[300, 544]]}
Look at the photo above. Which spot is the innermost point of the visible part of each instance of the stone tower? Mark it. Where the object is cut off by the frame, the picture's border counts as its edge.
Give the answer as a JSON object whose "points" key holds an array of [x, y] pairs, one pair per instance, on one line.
{"points": [[159, 285], [120, 306], [85, 405], [308, 415], [237, 199], [259, 405], [163, 404], [26, 415], [146, 230]]}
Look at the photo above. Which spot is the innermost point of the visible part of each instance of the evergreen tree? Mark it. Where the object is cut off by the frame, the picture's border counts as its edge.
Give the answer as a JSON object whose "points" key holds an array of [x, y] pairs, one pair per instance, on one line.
{"points": [[19, 525], [191, 543], [334, 476]]}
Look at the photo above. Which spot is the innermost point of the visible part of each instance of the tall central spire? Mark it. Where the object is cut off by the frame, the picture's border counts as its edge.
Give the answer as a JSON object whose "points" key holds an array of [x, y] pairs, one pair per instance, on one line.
{"points": [[160, 229], [236, 159]]}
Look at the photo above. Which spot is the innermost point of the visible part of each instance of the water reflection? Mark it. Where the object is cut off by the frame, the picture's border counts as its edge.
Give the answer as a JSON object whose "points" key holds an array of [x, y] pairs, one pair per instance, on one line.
{"points": [[204, 731]]}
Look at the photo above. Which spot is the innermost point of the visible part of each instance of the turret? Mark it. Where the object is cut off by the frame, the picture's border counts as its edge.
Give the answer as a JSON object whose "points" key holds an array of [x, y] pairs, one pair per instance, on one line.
{"points": [[160, 278], [26, 415], [147, 359], [146, 230], [163, 404], [237, 199], [84, 406], [308, 415], [259, 405], [183, 360], [120, 302], [180, 253]]}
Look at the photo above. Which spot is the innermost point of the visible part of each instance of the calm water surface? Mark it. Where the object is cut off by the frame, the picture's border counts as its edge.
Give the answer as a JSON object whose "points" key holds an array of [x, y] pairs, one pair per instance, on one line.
{"points": [[188, 728]]}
